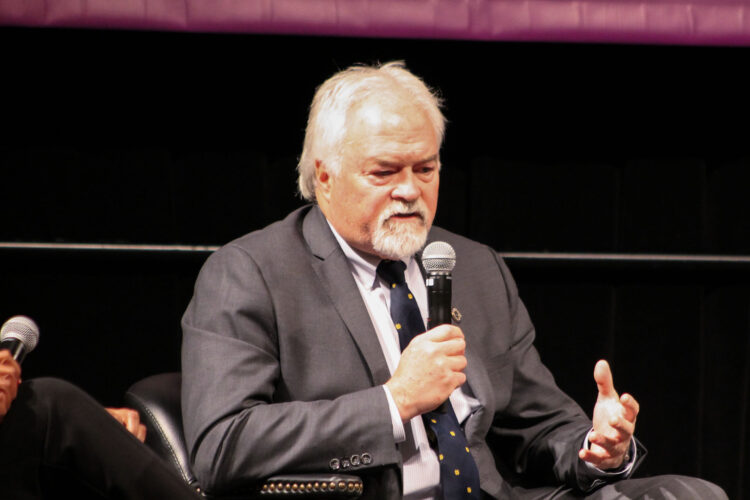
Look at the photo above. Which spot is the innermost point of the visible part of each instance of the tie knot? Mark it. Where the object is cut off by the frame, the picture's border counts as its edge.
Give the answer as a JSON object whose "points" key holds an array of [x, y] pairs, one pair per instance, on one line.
{"points": [[392, 271]]}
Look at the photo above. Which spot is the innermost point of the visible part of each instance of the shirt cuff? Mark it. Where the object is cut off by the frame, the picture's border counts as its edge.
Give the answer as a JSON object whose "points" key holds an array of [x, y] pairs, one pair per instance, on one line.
{"points": [[399, 433], [624, 470]]}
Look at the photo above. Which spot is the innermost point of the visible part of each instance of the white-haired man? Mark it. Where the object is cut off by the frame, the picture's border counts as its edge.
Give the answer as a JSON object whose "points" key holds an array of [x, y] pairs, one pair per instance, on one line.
{"points": [[301, 350]]}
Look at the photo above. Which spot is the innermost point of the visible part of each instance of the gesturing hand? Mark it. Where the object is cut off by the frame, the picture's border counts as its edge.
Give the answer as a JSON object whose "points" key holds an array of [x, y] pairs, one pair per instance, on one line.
{"points": [[614, 423], [131, 420], [430, 369]]}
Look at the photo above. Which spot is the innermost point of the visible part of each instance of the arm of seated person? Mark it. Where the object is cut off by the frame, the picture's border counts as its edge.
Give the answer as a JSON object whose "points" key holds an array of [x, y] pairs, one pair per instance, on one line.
{"points": [[10, 379]]}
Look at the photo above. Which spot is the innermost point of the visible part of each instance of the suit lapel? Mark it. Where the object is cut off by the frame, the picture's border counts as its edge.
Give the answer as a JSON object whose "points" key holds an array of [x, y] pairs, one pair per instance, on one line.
{"points": [[336, 279]]}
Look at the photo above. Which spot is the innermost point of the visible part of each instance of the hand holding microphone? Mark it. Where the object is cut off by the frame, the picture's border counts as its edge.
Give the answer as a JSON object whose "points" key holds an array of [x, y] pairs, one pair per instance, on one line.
{"points": [[431, 366], [18, 337], [430, 369]]}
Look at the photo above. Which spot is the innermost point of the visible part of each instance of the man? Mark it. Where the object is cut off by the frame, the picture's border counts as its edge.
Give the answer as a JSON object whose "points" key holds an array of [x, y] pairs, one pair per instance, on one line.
{"points": [[294, 352], [57, 442]]}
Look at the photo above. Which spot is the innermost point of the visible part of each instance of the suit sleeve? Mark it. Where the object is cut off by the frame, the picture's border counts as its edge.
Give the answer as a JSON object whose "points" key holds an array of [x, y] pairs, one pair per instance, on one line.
{"points": [[541, 430], [236, 428]]}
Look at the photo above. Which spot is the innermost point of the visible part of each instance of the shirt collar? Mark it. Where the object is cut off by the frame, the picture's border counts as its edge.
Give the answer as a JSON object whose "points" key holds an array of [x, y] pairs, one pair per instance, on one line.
{"points": [[364, 267]]}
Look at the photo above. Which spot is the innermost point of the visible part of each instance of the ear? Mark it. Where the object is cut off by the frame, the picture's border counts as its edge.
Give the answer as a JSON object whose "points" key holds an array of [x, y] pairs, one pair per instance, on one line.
{"points": [[324, 180]]}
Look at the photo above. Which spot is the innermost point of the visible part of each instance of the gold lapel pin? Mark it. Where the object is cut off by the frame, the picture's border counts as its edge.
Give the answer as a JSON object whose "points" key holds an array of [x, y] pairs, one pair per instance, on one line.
{"points": [[456, 314]]}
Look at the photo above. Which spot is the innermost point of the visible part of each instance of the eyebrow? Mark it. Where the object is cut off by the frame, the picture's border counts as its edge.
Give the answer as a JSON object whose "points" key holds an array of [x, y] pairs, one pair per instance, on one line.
{"points": [[386, 163]]}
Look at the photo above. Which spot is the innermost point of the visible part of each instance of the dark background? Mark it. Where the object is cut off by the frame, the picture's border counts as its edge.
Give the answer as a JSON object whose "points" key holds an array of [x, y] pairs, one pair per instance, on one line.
{"points": [[168, 138]]}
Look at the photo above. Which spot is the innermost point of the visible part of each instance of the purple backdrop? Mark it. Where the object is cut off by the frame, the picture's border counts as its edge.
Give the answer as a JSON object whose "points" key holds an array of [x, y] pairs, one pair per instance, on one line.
{"points": [[699, 22]]}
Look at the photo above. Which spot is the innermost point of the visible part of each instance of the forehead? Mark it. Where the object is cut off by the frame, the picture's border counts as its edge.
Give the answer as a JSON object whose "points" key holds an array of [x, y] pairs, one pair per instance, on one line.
{"points": [[386, 110], [380, 125]]}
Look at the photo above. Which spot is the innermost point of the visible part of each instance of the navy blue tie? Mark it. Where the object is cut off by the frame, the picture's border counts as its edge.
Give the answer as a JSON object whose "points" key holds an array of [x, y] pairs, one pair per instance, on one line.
{"points": [[459, 477]]}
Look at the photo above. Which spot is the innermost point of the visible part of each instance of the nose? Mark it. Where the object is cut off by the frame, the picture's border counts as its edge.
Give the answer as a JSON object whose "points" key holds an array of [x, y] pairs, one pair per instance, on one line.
{"points": [[407, 188]]}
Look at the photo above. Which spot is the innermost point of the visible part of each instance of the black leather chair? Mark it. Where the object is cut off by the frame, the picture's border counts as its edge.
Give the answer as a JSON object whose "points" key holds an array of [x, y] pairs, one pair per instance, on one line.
{"points": [[157, 399]]}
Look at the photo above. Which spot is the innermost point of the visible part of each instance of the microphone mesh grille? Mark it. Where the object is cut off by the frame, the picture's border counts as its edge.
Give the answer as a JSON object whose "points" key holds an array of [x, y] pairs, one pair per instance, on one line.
{"points": [[439, 256], [23, 329]]}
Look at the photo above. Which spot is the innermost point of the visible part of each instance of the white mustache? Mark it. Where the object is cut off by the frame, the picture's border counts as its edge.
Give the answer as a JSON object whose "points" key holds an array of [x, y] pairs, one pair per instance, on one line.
{"points": [[400, 208]]}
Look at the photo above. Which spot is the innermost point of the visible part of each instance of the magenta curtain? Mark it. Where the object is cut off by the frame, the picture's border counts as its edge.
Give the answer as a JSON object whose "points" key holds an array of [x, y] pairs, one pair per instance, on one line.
{"points": [[698, 22]]}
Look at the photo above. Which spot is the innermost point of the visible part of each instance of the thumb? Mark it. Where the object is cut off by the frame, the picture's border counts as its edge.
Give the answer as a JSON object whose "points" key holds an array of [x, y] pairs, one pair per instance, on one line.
{"points": [[603, 379]]}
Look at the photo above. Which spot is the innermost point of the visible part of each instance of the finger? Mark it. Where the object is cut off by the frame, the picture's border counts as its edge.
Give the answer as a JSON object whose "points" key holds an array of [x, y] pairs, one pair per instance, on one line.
{"points": [[9, 366], [593, 457], [623, 426], [631, 406], [456, 363], [10, 374], [606, 448], [606, 452], [603, 379], [132, 421], [600, 459], [444, 332], [4, 405], [459, 379], [452, 347], [13, 391], [141, 433], [116, 414], [119, 414]]}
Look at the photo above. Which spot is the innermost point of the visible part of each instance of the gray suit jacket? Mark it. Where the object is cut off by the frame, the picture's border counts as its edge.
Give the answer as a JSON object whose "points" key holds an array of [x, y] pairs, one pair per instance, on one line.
{"points": [[282, 367]]}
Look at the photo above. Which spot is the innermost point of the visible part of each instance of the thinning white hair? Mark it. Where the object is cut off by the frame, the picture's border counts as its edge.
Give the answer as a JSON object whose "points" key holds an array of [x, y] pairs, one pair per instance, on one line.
{"points": [[325, 135]]}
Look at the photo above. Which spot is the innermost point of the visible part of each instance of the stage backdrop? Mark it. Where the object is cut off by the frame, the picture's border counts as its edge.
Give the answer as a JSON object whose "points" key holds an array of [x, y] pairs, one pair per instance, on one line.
{"points": [[613, 177]]}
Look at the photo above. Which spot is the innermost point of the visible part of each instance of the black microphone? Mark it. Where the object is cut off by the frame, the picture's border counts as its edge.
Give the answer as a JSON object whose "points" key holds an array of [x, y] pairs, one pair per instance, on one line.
{"points": [[438, 259], [19, 335]]}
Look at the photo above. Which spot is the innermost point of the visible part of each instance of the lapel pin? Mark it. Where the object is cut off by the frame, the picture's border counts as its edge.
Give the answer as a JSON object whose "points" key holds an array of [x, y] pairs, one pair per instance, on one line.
{"points": [[456, 314]]}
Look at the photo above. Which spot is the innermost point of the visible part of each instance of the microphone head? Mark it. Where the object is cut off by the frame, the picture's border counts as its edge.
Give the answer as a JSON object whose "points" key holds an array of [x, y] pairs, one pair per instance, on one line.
{"points": [[439, 256], [22, 329]]}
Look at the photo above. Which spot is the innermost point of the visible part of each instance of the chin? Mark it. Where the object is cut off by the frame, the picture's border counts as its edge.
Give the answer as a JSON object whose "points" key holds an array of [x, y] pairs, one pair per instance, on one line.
{"points": [[399, 242]]}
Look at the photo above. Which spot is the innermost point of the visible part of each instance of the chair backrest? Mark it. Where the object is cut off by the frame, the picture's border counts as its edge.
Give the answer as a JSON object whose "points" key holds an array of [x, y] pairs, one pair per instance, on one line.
{"points": [[157, 399]]}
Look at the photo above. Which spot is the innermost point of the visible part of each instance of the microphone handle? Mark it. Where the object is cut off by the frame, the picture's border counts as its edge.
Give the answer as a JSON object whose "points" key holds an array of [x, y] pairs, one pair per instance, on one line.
{"points": [[16, 347], [439, 310], [438, 299]]}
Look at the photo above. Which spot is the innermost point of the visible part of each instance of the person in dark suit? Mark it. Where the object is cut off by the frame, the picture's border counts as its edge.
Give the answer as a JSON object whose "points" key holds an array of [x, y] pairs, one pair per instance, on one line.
{"points": [[295, 358], [58, 442]]}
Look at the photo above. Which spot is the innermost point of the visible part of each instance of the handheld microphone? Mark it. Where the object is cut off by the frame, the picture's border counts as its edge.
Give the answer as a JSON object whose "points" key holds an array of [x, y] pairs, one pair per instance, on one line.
{"points": [[19, 335], [438, 259]]}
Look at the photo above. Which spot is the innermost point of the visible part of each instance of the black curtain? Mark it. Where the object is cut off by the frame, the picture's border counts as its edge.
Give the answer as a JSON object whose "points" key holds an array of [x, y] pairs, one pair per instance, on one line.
{"points": [[163, 138]]}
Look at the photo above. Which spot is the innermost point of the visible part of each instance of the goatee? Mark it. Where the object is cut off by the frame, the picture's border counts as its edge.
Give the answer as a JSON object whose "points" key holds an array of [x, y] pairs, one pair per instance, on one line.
{"points": [[399, 239]]}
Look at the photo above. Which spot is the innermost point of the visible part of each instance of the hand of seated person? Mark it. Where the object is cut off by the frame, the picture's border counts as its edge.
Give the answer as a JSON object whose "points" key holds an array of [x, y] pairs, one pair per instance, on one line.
{"points": [[131, 420], [10, 377], [614, 423], [430, 369]]}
